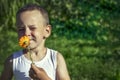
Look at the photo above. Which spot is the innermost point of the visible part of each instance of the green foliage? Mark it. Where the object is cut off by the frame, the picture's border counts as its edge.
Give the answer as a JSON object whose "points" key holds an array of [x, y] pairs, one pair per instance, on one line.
{"points": [[86, 32]]}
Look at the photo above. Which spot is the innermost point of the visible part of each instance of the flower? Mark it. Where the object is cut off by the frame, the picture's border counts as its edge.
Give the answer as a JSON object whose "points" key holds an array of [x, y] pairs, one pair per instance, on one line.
{"points": [[24, 41]]}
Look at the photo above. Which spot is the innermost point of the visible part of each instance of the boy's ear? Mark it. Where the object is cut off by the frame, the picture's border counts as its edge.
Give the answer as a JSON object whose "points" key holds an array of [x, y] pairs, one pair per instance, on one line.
{"points": [[48, 31]]}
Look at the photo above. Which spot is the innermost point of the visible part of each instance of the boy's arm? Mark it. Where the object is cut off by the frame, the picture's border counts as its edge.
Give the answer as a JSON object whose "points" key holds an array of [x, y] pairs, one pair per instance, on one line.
{"points": [[7, 72], [62, 72]]}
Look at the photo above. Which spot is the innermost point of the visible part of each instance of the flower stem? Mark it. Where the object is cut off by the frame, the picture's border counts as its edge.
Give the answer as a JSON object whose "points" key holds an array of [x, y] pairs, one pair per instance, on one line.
{"points": [[30, 55]]}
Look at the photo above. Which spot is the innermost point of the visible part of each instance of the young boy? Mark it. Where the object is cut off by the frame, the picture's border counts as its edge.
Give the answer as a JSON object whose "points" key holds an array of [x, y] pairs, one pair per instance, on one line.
{"points": [[32, 21]]}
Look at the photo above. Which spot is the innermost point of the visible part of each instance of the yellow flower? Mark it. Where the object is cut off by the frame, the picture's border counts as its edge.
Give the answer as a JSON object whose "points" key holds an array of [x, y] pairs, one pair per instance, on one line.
{"points": [[24, 41]]}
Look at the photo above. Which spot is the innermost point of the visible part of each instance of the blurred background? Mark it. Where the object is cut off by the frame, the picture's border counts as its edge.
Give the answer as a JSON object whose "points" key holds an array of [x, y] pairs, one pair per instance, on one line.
{"points": [[86, 32]]}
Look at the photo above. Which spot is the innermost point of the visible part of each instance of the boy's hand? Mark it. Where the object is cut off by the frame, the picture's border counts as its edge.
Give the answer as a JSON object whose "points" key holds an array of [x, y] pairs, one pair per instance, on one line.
{"points": [[38, 73]]}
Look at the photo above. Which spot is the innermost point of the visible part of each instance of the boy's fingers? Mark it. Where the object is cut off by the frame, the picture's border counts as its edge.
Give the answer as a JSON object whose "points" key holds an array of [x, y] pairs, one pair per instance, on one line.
{"points": [[34, 67]]}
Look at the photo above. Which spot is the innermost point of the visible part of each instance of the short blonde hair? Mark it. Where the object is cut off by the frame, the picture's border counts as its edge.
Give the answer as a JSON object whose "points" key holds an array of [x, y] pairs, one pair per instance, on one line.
{"points": [[30, 7]]}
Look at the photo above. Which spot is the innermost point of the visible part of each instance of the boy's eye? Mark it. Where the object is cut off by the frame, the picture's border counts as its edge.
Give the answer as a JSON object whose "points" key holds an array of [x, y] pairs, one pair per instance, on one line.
{"points": [[32, 28], [21, 29]]}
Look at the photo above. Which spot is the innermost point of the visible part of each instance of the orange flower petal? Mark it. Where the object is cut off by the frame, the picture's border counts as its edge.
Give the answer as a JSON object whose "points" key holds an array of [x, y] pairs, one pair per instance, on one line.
{"points": [[24, 41]]}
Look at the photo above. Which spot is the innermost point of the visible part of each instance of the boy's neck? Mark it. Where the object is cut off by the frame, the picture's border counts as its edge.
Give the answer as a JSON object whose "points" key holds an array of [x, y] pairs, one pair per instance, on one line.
{"points": [[36, 54]]}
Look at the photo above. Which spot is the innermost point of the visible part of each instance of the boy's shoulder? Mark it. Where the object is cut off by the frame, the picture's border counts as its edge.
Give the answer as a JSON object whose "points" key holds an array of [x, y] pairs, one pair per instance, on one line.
{"points": [[55, 53], [17, 53], [52, 50], [10, 58]]}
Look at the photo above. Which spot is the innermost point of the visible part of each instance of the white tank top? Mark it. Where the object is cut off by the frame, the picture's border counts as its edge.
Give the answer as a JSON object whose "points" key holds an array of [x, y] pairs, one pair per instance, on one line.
{"points": [[21, 65]]}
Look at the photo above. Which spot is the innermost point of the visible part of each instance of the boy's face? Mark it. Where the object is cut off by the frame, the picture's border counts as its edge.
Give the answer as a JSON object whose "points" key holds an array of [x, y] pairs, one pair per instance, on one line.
{"points": [[31, 23]]}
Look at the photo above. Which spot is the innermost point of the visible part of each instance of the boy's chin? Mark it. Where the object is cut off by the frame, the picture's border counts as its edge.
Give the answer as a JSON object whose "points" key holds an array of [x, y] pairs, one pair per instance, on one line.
{"points": [[32, 46]]}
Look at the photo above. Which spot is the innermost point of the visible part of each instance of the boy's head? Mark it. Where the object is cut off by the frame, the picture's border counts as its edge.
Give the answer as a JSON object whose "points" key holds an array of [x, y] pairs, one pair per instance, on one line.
{"points": [[33, 21]]}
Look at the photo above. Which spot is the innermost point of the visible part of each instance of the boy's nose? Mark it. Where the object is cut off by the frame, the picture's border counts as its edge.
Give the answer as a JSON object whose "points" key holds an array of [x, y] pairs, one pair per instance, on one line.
{"points": [[27, 32]]}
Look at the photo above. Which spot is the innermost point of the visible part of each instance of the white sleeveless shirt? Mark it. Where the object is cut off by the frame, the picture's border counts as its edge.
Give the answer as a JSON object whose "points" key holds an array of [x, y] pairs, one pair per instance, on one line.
{"points": [[21, 65]]}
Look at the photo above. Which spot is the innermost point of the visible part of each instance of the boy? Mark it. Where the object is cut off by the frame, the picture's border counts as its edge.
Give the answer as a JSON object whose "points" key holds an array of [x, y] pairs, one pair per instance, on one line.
{"points": [[32, 21]]}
